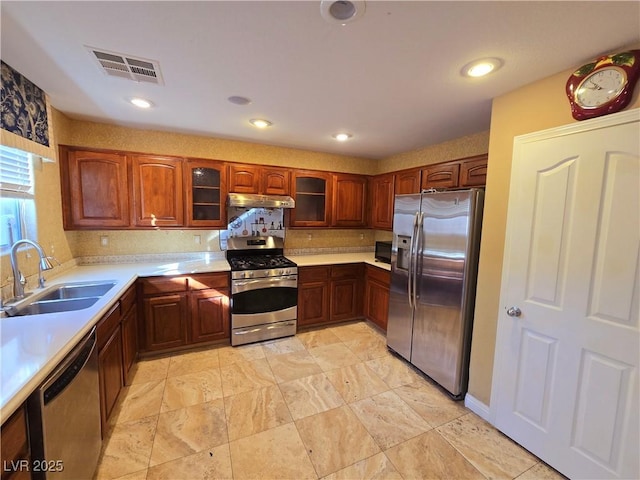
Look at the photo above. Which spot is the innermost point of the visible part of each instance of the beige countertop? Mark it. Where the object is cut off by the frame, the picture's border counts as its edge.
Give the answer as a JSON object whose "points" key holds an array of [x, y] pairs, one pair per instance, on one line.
{"points": [[33, 345]]}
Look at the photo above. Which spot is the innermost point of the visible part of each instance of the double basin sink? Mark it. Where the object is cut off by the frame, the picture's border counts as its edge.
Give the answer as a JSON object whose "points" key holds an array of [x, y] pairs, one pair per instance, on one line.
{"points": [[63, 297]]}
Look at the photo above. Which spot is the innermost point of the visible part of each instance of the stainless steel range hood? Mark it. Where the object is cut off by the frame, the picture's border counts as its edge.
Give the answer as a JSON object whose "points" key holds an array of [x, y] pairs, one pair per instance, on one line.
{"points": [[251, 200]]}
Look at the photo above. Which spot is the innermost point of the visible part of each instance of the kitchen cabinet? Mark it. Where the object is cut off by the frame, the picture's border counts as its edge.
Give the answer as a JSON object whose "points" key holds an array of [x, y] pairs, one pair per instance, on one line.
{"points": [[15, 447], [184, 310], [128, 305], [407, 181], [313, 295], [110, 365], [157, 191], [346, 292], [473, 171], [312, 192], [382, 198], [95, 189], [376, 296], [259, 179], [443, 175], [349, 200], [205, 195]]}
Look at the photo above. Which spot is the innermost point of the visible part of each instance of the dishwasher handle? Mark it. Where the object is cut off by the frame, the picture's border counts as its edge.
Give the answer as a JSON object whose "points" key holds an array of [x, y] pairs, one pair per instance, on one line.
{"points": [[69, 369]]}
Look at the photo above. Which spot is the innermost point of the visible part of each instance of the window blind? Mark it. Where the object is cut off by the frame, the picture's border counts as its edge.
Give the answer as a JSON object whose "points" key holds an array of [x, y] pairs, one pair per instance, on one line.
{"points": [[16, 177]]}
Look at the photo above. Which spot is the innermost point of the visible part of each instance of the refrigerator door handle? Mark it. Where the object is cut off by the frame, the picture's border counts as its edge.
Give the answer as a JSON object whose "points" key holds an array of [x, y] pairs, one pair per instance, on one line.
{"points": [[416, 255], [411, 273]]}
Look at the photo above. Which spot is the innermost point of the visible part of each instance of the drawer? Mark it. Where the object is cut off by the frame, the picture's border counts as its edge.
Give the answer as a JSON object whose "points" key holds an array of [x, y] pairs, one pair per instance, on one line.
{"points": [[156, 285], [348, 270], [209, 280], [128, 299], [379, 275], [107, 325], [313, 274]]}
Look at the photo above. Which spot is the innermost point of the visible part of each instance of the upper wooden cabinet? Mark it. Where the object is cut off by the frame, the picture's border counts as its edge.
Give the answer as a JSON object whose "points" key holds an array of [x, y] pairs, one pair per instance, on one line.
{"points": [[95, 189], [443, 175], [349, 200], [407, 181], [157, 191], [258, 179], [312, 192], [382, 198], [473, 171], [205, 181]]}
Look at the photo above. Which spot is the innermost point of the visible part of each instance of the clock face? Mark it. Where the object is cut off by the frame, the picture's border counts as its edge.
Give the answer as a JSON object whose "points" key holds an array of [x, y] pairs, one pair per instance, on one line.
{"points": [[601, 87]]}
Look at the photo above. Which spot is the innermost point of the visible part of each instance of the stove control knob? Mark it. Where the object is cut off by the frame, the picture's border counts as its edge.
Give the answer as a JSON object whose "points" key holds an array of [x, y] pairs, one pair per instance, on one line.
{"points": [[249, 274]]}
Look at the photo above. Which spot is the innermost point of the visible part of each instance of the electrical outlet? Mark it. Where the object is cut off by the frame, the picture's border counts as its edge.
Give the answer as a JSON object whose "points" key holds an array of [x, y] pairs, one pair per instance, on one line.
{"points": [[104, 240], [197, 240]]}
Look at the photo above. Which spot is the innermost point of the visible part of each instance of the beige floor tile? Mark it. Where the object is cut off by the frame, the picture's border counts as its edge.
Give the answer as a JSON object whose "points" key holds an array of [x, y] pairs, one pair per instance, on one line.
{"points": [[294, 365], [492, 453], [541, 471], [214, 463], [377, 467], [191, 389], [332, 356], [356, 382], [389, 419], [435, 406], [255, 411], [430, 456], [277, 453], [189, 430], [141, 475], [317, 338], [138, 401], [281, 346], [127, 449], [193, 362], [310, 395], [146, 371], [351, 331], [394, 371], [244, 376], [244, 353], [368, 347], [335, 439]]}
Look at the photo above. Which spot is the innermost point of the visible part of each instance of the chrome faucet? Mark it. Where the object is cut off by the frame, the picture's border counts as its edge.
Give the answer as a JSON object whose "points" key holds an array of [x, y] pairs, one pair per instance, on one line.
{"points": [[18, 279]]}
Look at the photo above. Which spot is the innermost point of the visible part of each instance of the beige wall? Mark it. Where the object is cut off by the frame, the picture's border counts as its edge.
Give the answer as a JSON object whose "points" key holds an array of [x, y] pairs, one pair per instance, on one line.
{"points": [[535, 107]]}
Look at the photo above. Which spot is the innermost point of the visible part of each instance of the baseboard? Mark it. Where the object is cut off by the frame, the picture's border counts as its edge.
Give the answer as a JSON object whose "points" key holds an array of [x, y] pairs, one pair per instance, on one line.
{"points": [[479, 408]]}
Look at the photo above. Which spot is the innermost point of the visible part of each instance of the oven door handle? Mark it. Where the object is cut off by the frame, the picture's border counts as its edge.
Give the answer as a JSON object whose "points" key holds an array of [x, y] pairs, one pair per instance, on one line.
{"points": [[238, 286]]}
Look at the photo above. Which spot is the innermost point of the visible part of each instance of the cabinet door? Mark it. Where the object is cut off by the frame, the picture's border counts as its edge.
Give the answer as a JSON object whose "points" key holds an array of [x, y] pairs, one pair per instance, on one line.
{"points": [[376, 302], [473, 172], [110, 374], [346, 292], [275, 181], [313, 295], [15, 446], [95, 191], [349, 200], [205, 193], [165, 321], [157, 191], [244, 178], [129, 342], [441, 176], [382, 192], [312, 193], [209, 315], [407, 182]]}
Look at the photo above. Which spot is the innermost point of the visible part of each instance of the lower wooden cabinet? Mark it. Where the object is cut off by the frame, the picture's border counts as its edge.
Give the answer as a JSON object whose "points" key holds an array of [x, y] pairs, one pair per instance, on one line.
{"points": [[111, 376], [376, 295], [183, 310], [15, 447], [313, 295], [346, 292]]}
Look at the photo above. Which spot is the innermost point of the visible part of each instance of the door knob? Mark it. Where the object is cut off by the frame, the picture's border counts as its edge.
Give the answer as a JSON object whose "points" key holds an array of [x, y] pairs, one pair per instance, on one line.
{"points": [[514, 312]]}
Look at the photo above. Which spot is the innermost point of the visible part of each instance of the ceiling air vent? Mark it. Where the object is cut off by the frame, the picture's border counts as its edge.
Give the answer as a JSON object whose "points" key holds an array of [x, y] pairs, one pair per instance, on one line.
{"points": [[127, 66]]}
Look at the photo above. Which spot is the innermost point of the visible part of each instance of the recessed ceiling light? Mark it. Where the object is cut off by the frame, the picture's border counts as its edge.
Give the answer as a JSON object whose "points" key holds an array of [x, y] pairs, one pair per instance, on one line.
{"points": [[260, 123], [482, 67], [341, 11], [342, 136], [140, 102], [239, 100]]}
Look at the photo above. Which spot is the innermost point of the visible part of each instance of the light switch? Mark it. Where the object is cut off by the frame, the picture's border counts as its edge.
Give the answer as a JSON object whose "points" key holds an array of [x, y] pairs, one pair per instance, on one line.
{"points": [[104, 240]]}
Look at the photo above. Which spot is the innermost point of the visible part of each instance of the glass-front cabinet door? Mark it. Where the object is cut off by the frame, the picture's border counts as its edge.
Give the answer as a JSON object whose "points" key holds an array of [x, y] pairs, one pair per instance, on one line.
{"points": [[312, 193], [205, 195]]}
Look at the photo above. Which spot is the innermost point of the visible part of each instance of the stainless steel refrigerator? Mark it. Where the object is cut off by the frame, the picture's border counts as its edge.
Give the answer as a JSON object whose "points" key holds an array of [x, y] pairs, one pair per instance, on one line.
{"points": [[434, 261]]}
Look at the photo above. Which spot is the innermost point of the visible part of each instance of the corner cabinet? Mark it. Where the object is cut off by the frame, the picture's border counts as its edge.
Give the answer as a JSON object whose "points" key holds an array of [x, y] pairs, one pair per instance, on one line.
{"points": [[95, 189], [382, 197], [157, 191], [349, 200], [312, 192], [205, 196]]}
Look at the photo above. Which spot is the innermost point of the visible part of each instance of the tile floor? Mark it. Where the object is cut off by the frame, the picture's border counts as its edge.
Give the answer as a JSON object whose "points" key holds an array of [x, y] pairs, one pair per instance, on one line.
{"points": [[331, 403]]}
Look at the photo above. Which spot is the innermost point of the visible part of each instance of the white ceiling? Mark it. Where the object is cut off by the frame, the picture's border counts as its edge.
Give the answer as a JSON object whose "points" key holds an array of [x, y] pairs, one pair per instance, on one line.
{"points": [[391, 78]]}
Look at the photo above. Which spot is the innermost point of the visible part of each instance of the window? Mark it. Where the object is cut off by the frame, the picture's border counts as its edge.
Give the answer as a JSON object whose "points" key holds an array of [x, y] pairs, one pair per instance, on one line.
{"points": [[17, 205]]}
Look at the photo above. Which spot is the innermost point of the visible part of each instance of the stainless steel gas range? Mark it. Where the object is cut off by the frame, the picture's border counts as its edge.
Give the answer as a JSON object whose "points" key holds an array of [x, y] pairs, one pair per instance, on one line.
{"points": [[264, 290]]}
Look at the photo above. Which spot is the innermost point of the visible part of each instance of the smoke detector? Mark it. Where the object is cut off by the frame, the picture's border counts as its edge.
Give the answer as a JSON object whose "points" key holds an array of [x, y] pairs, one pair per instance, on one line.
{"points": [[341, 11], [127, 66]]}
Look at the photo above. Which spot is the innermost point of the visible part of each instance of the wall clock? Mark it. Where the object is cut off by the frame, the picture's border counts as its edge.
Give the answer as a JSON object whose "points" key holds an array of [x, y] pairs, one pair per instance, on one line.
{"points": [[603, 86]]}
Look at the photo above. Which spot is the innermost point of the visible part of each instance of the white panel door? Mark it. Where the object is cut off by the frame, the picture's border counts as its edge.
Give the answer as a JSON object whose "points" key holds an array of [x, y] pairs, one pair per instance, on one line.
{"points": [[566, 374]]}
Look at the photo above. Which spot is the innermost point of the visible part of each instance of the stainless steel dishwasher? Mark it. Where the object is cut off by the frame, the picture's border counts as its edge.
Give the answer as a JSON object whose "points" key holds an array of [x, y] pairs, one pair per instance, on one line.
{"points": [[64, 417]]}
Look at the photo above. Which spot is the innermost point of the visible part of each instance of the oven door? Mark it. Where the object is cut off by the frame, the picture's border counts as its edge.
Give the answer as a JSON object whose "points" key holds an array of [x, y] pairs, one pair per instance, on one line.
{"points": [[258, 301]]}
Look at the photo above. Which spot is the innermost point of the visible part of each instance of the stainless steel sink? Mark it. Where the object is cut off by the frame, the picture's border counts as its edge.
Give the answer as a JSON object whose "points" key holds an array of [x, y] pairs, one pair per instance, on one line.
{"points": [[64, 297]]}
